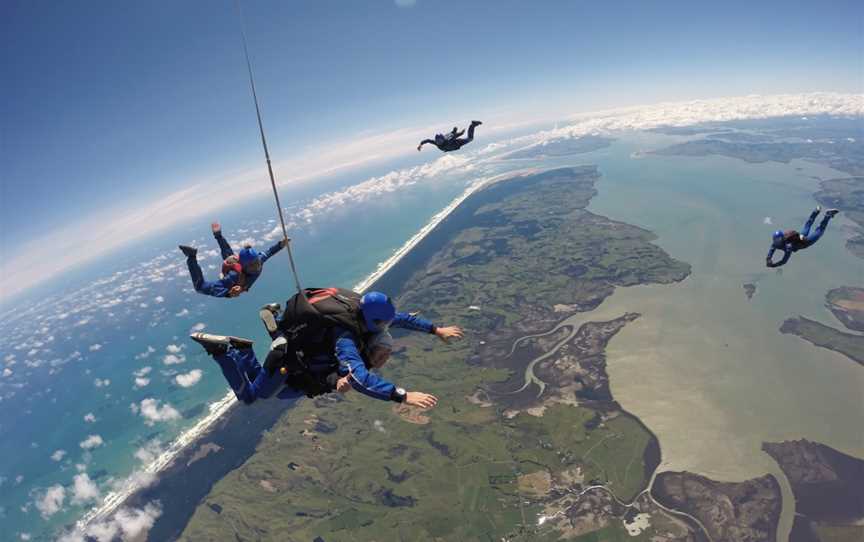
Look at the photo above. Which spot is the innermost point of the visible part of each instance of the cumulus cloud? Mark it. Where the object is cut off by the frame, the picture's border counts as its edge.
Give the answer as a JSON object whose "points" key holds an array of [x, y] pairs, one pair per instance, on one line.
{"points": [[152, 412], [92, 441], [159, 299], [84, 489], [198, 327], [7, 372], [140, 382], [58, 455], [149, 452], [189, 379], [89, 417], [126, 524], [101, 383], [171, 359], [184, 312], [767, 220], [51, 501], [143, 371], [146, 353], [175, 349], [24, 536], [95, 347]]}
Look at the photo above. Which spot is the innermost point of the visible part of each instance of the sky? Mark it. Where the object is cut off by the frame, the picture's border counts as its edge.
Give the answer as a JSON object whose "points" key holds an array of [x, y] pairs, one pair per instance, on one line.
{"points": [[111, 107]]}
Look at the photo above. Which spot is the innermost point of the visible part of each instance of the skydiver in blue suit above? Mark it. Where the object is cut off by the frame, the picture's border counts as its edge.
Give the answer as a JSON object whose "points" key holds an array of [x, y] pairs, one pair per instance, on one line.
{"points": [[329, 340], [790, 241], [239, 271], [451, 141]]}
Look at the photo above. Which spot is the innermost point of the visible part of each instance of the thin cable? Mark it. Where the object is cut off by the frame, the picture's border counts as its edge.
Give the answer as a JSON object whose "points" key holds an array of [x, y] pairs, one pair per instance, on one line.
{"points": [[285, 238]]}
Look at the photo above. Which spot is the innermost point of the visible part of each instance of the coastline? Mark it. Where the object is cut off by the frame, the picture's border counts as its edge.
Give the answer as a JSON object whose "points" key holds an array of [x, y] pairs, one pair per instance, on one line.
{"points": [[212, 427]]}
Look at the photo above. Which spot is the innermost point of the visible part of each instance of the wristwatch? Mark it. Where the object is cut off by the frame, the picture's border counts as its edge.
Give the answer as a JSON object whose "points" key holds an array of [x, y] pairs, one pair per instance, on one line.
{"points": [[398, 395]]}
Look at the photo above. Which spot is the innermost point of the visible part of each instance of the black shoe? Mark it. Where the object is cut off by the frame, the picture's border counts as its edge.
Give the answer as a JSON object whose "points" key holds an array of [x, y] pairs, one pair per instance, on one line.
{"points": [[831, 212], [218, 344], [189, 252], [476, 123]]}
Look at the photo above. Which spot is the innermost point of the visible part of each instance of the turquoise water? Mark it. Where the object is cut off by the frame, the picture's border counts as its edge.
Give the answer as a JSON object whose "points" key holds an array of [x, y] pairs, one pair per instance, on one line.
{"points": [[44, 404]]}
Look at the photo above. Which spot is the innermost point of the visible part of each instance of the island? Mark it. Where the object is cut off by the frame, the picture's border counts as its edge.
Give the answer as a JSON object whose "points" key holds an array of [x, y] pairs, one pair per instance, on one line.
{"points": [[851, 346], [829, 490], [749, 290], [847, 305], [730, 511], [846, 194], [527, 442]]}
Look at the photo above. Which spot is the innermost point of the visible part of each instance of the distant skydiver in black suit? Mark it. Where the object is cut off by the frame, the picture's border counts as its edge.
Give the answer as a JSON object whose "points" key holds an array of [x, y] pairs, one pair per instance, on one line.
{"points": [[452, 141]]}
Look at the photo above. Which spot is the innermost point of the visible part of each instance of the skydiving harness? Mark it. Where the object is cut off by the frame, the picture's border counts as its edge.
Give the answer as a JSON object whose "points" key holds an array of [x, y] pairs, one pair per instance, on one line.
{"points": [[307, 330]]}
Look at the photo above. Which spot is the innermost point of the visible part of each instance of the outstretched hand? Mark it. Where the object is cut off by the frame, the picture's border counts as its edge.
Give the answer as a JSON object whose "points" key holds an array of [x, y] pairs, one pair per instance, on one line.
{"points": [[343, 385], [216, 227], [284, 242], [420, 399], [419, 147], [449, 332]]}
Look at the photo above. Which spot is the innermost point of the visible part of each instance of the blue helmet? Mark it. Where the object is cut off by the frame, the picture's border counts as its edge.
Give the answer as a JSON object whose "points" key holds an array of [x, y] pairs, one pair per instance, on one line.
{"points": [[248, 255], [778, 237], [378, 311]]}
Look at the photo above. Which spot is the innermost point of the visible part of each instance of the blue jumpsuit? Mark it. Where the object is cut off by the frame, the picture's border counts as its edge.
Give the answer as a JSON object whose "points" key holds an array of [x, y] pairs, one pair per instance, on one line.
{"points": [[450, 142], [794, 243], [250, 381], [220, 288]]}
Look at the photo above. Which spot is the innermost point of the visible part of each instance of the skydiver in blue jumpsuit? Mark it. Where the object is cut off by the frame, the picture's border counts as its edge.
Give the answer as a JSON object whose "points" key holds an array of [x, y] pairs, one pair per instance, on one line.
{"points": [[240, 271], [792, 241], [451, 141], [339, 365]]}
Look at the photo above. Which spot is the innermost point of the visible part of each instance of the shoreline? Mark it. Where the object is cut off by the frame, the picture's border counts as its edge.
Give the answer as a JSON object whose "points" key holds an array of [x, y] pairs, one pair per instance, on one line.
{"points": [[221, 410]]}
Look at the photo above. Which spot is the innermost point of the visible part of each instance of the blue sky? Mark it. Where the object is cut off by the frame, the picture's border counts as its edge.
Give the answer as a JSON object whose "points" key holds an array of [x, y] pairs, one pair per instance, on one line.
{"points": [[108, 104]]}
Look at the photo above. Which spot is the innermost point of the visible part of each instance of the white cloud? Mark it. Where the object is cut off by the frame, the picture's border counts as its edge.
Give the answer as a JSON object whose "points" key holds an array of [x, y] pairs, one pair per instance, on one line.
{"points": [[152, 412], [84, 489], [767, 220], [89, 417], [149, 452], [7, 372], [24, 536], [143, 371], [198, 327], [184, 312], [159, 299], [379, 426], [126, 524], [189, 379], [171, 359], [101, 383], [146, 353], [175, 349], [140, 382], [92, 441], [51, 501], [95, 347], [58, 455]]}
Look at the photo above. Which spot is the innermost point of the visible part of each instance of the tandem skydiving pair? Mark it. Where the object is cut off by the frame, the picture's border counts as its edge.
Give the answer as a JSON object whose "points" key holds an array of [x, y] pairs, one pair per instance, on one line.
{"points": [[790, 241], [326, 339], [239, 271]]}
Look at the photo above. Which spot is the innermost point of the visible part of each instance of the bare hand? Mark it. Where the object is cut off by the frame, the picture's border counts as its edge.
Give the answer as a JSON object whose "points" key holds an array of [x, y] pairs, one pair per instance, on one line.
{"points": [[343, 385], [449, 332], [418, 147], [216, 227], [420, 399], [285, 241], [235, 291]]}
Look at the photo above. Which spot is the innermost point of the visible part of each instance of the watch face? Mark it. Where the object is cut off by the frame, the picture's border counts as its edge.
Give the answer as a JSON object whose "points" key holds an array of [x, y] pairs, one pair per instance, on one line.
{"points": [[400, 391]]}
